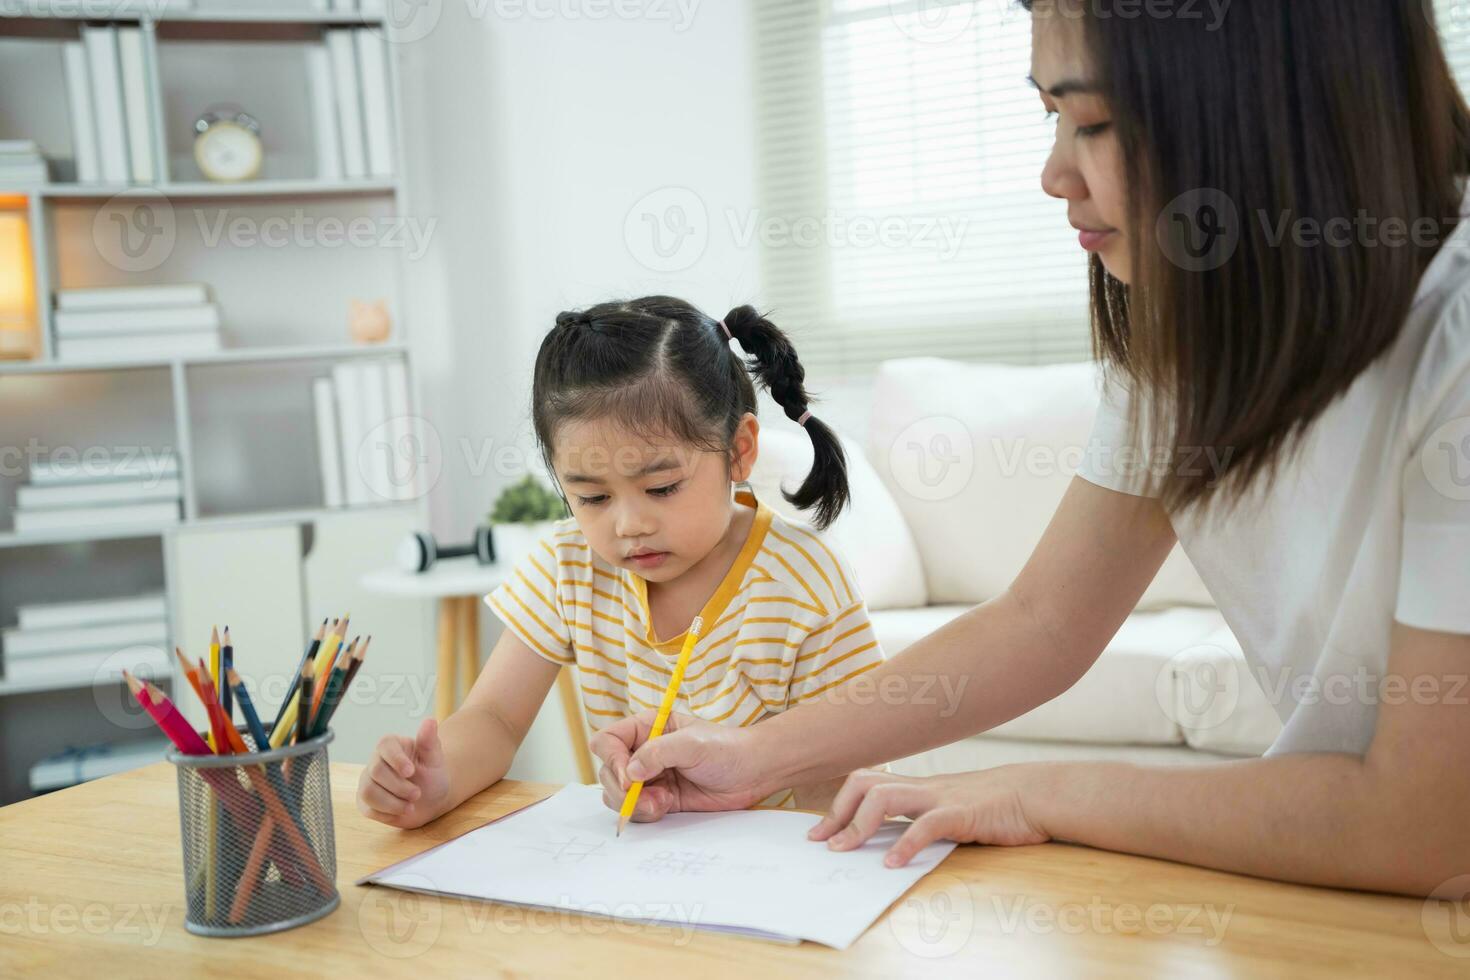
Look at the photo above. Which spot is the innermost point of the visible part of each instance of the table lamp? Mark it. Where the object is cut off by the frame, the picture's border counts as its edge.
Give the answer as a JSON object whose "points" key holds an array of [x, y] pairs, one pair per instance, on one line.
{"points": [[17, 288]]}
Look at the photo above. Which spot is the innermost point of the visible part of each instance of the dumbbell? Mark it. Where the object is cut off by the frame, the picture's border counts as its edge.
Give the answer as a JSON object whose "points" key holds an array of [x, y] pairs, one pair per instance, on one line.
{"points": [[419, 550]]}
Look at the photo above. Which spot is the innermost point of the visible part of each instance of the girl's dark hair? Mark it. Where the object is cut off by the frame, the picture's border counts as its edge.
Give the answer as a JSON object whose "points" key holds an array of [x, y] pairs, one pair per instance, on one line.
{"points": [[1303, 109], [660, 368]]}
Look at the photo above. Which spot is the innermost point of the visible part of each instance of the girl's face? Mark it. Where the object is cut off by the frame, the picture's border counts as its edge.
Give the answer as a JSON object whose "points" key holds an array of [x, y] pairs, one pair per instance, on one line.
{"points": [[655, 508], [1085, 168]]}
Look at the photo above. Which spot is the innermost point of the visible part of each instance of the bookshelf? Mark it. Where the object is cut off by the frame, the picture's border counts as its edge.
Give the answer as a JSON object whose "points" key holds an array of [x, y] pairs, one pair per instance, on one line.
{"points": [[240, 419]]}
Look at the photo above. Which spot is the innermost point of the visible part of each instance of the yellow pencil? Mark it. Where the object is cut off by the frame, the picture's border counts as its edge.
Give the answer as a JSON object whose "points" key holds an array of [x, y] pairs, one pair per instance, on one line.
{"points": [[667, 705]]}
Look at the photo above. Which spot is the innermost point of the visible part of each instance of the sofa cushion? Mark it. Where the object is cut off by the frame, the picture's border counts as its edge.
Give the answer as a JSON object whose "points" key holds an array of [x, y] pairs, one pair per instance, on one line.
{"points": [[977, 458], [871, 534], [1218, 699], [1116, 701]]}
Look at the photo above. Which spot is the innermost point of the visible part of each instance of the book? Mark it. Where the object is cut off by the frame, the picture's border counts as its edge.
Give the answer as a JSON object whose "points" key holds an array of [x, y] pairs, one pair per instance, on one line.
{"points": [[21, 148], [37, 173], [329, 449], [132, 297], [324, 113], [108, 323], [404, 479], [23, 643], [377, 107], [85, 666], [107, 103], [349, 102], [347, 383], [377, 455], [137, 347], [78, 765], [159, 514], [91, 612], [139, 115], [79, 105], [90, 468], [97, 494]]}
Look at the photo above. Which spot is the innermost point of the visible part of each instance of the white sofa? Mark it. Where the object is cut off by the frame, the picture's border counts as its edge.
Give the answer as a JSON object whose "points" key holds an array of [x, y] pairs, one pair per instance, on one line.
{"points": [[963, 466]]}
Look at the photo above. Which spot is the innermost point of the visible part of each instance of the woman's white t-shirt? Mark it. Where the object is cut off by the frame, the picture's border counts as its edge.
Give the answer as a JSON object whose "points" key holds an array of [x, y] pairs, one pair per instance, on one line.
{"points": [[1367, 524]]}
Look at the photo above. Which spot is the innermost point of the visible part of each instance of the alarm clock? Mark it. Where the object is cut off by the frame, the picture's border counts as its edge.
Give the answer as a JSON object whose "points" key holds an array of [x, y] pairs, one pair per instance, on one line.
{"points": [[227, 145]]}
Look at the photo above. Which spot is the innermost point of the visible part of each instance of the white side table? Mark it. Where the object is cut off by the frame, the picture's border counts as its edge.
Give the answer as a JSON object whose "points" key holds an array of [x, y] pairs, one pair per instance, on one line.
{"points": [[459, 584]]}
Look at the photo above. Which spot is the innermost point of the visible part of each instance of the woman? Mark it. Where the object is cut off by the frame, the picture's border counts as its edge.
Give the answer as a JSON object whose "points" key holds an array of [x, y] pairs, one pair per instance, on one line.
{"points": [[1279, 275]]}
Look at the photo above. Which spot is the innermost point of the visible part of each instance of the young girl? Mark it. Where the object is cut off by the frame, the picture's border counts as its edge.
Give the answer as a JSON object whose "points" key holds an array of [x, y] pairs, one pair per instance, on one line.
{"points": [[647, 418]]}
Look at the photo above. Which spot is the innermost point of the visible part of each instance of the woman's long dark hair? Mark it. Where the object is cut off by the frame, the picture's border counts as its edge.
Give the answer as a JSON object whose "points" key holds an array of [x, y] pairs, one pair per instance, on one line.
{"points": [[659, 367], [1286, 109]]}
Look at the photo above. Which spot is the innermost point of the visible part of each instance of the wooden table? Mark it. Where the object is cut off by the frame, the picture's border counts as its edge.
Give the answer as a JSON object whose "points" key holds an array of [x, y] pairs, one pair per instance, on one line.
{"points": [[460, 585], [90, 885]]}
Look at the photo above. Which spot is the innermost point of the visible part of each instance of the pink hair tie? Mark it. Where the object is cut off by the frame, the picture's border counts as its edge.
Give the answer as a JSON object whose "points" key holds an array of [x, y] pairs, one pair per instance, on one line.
{"points": [[804, 416], [728, 335]]}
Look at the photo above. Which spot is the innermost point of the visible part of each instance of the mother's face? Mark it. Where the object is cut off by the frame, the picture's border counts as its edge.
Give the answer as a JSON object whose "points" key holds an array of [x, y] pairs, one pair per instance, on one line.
{"points": [[1085, 168]]}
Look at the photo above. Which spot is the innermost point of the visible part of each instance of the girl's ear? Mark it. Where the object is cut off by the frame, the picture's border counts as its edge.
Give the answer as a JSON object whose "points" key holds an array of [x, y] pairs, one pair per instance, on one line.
{"points": [[745, 448]]}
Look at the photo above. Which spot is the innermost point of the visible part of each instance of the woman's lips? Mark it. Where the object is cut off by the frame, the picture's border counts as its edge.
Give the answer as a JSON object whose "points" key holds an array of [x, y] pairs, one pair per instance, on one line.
{"points": [[1094, 240]]}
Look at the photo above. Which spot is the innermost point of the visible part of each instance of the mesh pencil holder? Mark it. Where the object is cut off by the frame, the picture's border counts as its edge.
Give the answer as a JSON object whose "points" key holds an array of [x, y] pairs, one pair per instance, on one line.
{"points": [[256, 829]]}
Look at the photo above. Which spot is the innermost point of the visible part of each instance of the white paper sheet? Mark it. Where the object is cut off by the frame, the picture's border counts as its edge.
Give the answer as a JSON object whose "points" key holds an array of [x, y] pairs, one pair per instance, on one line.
{"points": [[751, 872]]}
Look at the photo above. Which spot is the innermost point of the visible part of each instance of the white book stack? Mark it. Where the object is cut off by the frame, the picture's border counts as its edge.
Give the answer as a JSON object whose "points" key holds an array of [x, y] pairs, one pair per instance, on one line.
{"points": [[364, 434], [73, 642], [111, 117], [21, 162], [87, 492], [135, 322], [352, 111]]}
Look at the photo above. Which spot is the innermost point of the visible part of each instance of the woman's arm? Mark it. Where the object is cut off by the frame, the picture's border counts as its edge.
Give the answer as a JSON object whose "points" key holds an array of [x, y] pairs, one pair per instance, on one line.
{"points": [[989, 665], [1392, 820], [481, 738]]}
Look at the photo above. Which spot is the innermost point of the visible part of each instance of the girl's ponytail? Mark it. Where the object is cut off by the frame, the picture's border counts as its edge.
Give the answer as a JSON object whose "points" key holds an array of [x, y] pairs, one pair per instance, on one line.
{"points": [[775, 364]]}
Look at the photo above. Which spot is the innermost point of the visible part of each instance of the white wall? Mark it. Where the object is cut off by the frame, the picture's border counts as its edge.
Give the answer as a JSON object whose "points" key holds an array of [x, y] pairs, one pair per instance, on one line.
{"points": [[530, 141]]}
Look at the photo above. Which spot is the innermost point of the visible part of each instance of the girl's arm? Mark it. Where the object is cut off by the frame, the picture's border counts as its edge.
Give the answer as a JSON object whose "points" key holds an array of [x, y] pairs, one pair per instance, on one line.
{"points": [[481, 738], [995, 662], [1391, 820]]}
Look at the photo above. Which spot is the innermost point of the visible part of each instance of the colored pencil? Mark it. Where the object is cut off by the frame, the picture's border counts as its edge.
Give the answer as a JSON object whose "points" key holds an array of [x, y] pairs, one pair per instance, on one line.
{"points": [[311, 649], [247, 708], [333, 682], [303, 707], [331, 708], [670, 694], [226, 661]]}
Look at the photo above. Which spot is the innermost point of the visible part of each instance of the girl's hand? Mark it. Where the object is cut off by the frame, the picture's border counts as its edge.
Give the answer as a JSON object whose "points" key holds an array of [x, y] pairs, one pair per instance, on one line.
{"points": [[693, 765], [984, 807], [406, 782]]}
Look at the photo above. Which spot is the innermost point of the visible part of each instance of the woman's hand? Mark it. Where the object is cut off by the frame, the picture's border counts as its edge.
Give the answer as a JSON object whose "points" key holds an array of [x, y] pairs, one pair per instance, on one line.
{"points": [[406, 782], [693, 765], [984, 807]]}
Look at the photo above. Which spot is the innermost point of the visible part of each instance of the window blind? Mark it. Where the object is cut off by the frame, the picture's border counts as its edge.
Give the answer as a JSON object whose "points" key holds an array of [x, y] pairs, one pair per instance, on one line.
{"points": [[899, 156]]}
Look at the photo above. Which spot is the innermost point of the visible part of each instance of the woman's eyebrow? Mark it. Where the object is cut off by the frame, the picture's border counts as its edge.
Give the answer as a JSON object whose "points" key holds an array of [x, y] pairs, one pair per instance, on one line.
{"points": [[1066, 87]]}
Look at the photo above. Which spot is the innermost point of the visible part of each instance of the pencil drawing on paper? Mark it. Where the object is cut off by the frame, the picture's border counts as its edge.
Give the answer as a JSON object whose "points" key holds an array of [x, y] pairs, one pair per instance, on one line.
{"points": [[568, 851], [686, 863]]}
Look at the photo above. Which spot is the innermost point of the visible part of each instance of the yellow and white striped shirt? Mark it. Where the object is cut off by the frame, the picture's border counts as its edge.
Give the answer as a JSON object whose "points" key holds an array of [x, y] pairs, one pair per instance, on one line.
{"points": [[786, 624]]}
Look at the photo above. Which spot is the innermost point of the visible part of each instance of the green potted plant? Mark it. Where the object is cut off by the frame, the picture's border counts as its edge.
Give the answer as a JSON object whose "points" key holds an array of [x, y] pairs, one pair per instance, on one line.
{"points": [[521, 516]]}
